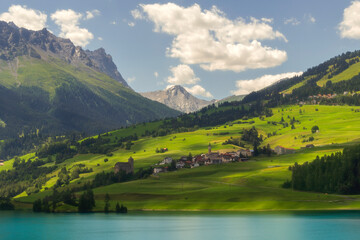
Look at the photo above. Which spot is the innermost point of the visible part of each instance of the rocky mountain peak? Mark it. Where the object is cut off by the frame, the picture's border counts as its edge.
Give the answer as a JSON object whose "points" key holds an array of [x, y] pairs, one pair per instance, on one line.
{"points": [[177, 98], [105, 64], [15, 41]]}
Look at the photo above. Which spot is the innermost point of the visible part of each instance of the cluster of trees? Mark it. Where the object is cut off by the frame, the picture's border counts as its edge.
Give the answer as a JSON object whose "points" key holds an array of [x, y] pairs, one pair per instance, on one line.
{"points": [[62, 151], [23, 144], [84, 204], [5, 204], [107, 178], [335, 173], [252, 136], [25, 175], [234, 141]]}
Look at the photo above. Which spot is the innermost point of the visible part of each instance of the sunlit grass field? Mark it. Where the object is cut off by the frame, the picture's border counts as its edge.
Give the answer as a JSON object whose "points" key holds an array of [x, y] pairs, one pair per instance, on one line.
{"points": [[253, 185]]}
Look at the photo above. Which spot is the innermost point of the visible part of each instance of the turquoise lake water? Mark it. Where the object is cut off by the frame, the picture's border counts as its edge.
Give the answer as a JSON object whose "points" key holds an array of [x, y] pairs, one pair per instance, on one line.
{"points": [[184, 226]]}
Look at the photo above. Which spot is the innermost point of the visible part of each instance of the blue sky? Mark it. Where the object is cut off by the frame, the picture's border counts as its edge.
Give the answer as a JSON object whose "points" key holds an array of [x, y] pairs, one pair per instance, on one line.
{"points": [[235, 47]]}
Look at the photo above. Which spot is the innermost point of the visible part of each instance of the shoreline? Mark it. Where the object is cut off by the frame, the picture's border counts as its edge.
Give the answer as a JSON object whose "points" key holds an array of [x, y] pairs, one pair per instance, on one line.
{"points": [[205, 211]]}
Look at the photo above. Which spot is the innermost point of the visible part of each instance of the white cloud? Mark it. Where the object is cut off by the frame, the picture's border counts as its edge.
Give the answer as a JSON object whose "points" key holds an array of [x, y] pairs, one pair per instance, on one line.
{"points": [[69, 21], [182, 74], [156, 74], [113, 22], [25, 17], [248, 86], [137, 14], [292, 21], [131, 79], [100, 38], [210, 39], [92, 14], [310, 18], [350, 26], [131, 24], [199, 91]]}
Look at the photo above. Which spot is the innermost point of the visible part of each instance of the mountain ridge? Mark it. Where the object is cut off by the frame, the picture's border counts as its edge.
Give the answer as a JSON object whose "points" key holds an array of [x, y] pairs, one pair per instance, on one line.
{"points": [[49, 86], [176, 97]]}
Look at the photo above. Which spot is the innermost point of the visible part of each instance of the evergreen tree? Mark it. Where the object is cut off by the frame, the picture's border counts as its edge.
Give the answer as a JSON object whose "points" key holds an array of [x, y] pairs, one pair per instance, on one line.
{"points": [[86, 201], [107, 203], [37, 206]]}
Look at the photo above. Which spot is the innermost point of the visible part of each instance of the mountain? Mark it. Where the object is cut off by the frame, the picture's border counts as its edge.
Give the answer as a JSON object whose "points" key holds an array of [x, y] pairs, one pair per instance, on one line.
{"points": [[176, 97], [327, 83], [105, 64], [50, 86]]}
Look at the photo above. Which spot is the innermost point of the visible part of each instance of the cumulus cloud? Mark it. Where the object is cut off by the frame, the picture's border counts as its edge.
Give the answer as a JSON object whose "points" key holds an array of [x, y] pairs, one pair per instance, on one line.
{"points": [[131, 24], [199, 91], [69, 21], [292, 21], [248, 86], [100, 38], [350, 25], [156, 74], [92, 14], [182, 74], [25, 17], [210, 39]]}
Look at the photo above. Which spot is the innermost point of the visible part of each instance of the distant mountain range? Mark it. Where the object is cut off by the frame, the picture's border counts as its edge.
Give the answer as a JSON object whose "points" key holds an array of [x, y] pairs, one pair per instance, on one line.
{"points": [[48, 85], [176, 97]]}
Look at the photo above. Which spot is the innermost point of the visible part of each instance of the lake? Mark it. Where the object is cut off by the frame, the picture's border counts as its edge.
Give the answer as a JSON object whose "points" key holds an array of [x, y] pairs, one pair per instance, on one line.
{"points": [[184, 226]]}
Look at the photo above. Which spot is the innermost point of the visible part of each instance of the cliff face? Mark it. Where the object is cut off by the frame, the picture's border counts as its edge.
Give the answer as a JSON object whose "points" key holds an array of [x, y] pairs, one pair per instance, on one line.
{"points": [[178, 98], [105, 64]]}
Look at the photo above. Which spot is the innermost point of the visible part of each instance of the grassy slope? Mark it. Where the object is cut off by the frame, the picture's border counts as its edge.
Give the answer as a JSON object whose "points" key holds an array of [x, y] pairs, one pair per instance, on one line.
{"points": [[352, 71], [300, 84], [252, 185], [99, 102]]}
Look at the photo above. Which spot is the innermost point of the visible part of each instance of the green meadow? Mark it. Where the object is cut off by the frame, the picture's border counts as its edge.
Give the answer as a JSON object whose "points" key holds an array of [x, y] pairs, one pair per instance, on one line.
{"points": [[252, 185]]}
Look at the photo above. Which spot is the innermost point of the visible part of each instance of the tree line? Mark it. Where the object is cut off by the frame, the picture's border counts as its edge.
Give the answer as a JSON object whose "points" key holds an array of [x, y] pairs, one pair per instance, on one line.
{"points": [[335, 173]]}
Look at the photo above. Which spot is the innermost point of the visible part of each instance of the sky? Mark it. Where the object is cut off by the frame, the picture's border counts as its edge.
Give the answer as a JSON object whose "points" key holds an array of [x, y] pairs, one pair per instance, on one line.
{"points": [[214, 48]]}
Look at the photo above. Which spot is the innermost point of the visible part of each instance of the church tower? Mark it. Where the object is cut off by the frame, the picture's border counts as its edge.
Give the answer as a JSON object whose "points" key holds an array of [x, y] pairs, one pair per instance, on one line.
{"points": [[131, 163], [209, 148]]}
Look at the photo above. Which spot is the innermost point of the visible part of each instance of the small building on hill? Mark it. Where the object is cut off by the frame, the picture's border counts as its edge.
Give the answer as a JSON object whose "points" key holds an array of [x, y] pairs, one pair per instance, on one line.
{"points": [[282, 150], [244, 153], [310, 146], [127, 167], [158, 170], [167, 160], [1, 162]]}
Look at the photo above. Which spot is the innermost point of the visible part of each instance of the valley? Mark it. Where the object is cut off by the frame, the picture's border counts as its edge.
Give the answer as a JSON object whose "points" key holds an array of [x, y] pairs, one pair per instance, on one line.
{"points": [[255, 185]]}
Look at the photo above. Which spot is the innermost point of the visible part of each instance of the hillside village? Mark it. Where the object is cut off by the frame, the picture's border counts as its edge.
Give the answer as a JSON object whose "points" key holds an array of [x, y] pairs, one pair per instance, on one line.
{"points": [[210, 158]]}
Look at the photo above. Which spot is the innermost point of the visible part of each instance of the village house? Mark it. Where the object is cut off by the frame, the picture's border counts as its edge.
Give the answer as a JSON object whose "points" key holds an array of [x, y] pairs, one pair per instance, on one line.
{"points": [[180, 164], [279, 150], [226, 158], [158, 170], [167, 160], [127, 167], [195, 165], [310, 146], [199, 159], [1, 162], [244, 153]]}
